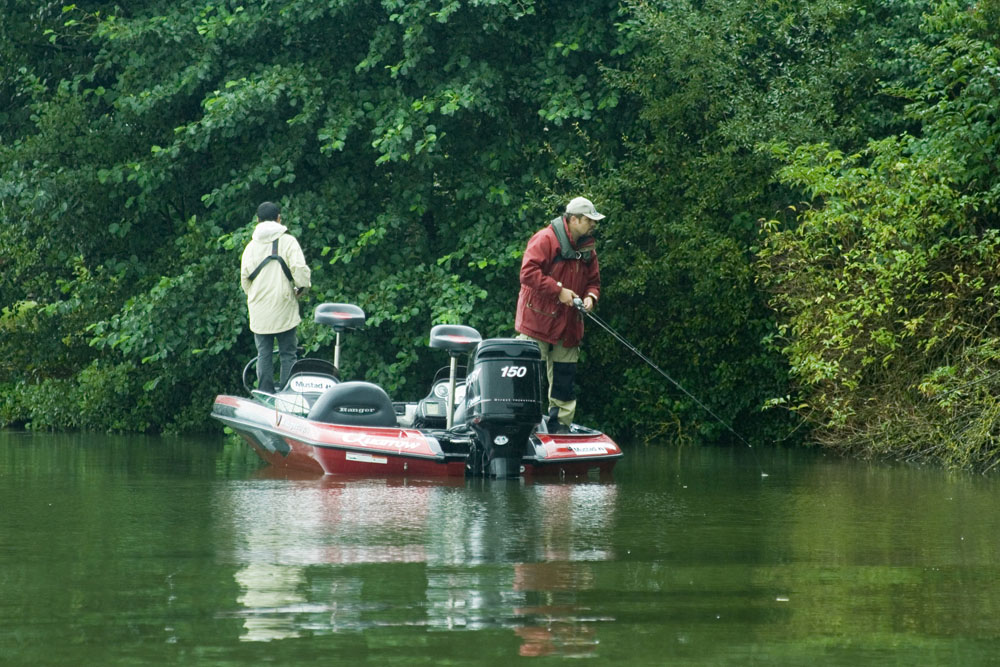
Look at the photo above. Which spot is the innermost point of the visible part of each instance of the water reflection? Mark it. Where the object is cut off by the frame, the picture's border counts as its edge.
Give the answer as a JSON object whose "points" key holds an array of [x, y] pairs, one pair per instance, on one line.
{"points": [[271, 594], [161, 551], [556, 622], [334, 554]]}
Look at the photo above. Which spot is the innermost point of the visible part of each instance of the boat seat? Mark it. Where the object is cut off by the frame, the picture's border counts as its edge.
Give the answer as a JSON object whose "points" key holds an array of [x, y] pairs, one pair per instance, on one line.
{"points": [[354, 404]]}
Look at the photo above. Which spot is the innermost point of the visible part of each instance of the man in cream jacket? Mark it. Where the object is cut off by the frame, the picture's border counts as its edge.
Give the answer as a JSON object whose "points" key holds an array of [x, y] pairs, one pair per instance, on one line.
{"points": [[274, 274]]}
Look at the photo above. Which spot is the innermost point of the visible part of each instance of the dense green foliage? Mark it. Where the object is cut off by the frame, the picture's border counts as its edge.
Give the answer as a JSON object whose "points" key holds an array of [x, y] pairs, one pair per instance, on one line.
{"points": [[715, 81], [888, 281], [415, 145], [413, 158]]}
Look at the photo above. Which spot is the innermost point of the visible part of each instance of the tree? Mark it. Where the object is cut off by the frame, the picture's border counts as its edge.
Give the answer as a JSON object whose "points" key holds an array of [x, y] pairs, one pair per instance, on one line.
{"points": [[412, 157], [717, 82], [886, 284]]}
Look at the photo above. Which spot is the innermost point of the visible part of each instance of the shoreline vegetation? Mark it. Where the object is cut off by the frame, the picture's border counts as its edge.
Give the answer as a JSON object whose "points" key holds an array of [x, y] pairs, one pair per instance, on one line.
{"points": [[802, 204]]}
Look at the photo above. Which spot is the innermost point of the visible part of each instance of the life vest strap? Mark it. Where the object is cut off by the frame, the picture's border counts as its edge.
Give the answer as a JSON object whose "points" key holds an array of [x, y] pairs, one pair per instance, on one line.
{"points": [[566, 249]]}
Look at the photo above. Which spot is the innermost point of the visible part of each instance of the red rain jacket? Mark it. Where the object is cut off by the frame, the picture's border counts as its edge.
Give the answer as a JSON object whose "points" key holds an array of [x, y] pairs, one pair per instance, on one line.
{"points": [[539, 312]]}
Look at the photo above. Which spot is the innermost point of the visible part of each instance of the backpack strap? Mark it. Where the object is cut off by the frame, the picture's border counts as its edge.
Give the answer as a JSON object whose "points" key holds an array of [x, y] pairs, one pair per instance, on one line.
{"points": [[275, 256]]}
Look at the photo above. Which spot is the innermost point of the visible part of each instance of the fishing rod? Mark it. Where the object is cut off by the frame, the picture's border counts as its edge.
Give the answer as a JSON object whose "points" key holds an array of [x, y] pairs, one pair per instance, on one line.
{"points": [[578, 304]]}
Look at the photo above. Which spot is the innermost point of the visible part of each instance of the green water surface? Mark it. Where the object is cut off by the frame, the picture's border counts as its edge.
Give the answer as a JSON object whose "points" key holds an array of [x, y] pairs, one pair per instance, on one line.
{"points": [[135, 550]]}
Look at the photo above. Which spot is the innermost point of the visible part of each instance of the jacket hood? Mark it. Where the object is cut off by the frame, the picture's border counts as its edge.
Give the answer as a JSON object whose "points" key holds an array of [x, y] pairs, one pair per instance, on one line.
{"points": [[267, 231]]}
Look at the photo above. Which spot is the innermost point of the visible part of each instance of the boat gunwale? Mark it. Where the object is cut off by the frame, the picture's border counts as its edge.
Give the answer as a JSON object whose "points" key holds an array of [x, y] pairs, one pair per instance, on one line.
{"points": [[442, 457], [233, 421]]}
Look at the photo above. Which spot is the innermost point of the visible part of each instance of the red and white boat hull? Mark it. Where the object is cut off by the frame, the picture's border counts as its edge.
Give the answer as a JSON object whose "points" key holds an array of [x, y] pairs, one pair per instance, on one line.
{"points": [[289, 441]]}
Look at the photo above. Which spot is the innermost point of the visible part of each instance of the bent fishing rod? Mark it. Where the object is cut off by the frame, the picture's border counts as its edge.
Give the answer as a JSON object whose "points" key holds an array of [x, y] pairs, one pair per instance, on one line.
{"points": [[578, 304]]}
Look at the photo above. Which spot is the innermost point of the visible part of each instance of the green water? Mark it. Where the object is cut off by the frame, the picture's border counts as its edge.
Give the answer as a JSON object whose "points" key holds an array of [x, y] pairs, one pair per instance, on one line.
{"points": [[132, 551]]}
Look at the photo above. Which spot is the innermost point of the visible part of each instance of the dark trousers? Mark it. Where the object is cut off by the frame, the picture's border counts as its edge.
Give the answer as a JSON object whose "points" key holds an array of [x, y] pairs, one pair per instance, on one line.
{"points": [[287, 343]]}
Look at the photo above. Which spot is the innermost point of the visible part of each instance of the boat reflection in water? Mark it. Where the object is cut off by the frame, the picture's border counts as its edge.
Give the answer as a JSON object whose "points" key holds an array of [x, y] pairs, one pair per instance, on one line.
{"points": [[334, 555]]}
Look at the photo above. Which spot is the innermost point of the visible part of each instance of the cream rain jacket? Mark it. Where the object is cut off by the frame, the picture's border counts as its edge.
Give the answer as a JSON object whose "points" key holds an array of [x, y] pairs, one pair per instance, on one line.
{"points": [[270, 296]]}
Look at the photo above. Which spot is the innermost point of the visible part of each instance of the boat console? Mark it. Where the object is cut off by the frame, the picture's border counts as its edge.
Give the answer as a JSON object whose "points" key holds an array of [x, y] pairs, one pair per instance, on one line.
{"points": [[354, 404]]}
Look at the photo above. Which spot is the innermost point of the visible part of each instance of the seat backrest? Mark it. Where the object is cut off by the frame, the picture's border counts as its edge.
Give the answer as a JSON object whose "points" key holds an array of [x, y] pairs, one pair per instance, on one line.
{"points": [[354, 404]]}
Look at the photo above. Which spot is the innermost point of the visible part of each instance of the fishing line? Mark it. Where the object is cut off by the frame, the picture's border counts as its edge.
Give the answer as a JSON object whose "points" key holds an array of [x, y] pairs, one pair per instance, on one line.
{"points": [[578, 303]]}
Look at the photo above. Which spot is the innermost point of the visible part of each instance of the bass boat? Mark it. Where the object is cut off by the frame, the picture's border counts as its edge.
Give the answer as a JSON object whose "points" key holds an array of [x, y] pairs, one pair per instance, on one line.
{"points": [[487, 421]]}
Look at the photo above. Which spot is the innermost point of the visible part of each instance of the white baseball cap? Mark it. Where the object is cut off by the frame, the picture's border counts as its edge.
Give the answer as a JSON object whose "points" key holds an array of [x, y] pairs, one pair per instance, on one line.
{"points": [[583, 206]]}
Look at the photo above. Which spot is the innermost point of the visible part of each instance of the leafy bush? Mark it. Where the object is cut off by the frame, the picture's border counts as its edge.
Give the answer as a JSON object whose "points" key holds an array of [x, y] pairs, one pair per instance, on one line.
{"points": [[886, 282]]}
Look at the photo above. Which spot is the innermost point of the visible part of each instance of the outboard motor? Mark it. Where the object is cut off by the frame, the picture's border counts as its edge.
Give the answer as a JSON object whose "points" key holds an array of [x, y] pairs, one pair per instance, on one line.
{"points": [[503, 403]]}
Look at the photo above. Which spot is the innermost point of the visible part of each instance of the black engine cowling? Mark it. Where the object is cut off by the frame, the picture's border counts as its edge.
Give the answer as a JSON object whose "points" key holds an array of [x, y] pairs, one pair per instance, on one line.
{"points": [[503, 403]]}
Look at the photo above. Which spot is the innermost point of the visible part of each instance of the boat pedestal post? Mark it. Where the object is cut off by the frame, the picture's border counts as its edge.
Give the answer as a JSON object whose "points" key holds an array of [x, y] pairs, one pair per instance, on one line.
{"points": [[451, 392]]}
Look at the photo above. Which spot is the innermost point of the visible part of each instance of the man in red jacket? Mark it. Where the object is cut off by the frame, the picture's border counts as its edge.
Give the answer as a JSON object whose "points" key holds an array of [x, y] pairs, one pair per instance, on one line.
{"points": [[559, 265]]}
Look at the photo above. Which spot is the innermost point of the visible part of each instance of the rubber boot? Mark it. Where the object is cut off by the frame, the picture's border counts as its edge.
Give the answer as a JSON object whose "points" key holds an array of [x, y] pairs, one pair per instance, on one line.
{"points": [[552, 420]]}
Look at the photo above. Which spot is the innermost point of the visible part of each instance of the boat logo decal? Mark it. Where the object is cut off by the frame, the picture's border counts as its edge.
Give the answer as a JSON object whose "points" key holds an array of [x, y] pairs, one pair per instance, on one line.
{"points": [[311, 384], [589, 449], [356, 409], [383, 442], [296, 426]]}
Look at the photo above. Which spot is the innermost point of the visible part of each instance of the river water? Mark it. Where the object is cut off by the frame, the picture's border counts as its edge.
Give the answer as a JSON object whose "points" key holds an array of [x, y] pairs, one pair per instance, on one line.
{"points": [[136, 550]]}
